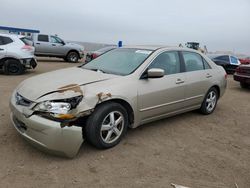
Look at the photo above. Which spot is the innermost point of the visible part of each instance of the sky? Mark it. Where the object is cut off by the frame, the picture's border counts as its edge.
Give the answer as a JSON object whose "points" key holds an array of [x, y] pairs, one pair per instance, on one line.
{"points": [[221, 25]]}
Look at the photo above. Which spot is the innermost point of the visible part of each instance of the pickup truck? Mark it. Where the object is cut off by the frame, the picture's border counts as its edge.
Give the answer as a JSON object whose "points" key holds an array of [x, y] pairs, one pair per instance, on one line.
{"points": [[53, 46]]}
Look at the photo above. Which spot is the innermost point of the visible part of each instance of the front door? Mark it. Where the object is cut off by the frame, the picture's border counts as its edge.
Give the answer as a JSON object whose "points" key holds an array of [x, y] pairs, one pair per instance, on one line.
{"points": [[161, 96], [56, 46]]}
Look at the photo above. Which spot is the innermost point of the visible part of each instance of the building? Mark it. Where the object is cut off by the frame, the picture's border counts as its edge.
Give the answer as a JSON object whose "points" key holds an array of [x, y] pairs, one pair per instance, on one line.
{"points": [[18, 31]]}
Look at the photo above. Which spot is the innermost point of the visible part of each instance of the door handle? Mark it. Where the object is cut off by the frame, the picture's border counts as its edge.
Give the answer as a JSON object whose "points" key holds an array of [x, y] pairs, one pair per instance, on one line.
{"points": [[179, 81], [1, 49], [37, 43], [53, 45], [208, 75]]}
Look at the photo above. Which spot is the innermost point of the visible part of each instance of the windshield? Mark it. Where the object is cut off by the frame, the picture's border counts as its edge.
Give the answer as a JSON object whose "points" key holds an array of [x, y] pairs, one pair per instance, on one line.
{"points": [[102, 50], [122, 61]]}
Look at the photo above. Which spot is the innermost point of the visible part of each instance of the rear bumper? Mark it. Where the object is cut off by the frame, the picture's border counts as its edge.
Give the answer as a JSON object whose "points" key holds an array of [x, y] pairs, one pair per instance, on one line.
{"points": [[242, 78], [29, 63], [46, 135]]}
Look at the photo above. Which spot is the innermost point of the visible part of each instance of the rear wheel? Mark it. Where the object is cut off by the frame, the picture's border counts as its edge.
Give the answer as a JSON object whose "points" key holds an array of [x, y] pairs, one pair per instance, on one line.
{"points": [[13, 67], [72, 57], [210, 101], [107, 125]]}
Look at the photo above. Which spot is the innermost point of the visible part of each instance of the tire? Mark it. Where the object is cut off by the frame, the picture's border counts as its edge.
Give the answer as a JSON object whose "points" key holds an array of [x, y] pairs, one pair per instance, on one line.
{"points": [[103, 132], [72, 57], [13, 67], [244, 85], [210, 101]]}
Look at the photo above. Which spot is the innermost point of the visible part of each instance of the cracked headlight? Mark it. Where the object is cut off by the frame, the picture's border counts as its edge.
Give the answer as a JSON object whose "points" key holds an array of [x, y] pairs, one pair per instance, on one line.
{"points": [[59, 108]]}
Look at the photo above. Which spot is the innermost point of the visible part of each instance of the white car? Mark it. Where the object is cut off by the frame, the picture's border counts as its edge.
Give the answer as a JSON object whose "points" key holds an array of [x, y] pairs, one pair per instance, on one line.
{"points": [[16, 55]]}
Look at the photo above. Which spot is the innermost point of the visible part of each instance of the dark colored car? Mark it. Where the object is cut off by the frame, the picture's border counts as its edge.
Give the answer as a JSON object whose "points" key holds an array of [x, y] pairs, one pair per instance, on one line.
{"points": [[242, 75], [95, 54], [228, 62]]}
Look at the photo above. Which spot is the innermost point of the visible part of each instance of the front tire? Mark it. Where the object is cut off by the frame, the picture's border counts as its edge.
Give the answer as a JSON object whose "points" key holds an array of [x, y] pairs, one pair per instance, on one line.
{"points": [[72, 57], [13, 67], [107, 125], [210, 101]]}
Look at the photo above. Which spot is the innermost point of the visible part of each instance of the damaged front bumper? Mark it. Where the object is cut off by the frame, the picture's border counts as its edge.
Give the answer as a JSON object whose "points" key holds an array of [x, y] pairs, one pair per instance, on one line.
{"points": [[46, 135]]}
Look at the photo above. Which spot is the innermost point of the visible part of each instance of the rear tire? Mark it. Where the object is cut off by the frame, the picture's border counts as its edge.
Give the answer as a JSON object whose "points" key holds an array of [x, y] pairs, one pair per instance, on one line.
{"points": [[107, 125], [13, 67], [210, 101], [72, 57]]}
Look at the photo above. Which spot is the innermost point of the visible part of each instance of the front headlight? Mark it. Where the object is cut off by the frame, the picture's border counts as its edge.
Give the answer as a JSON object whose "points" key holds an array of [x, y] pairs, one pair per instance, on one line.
{"points": [[54, 107], [59, 108]]}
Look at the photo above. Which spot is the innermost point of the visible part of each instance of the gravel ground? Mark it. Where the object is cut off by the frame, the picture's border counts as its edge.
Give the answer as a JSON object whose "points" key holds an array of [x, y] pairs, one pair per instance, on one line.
{"points": [[190, 149]]}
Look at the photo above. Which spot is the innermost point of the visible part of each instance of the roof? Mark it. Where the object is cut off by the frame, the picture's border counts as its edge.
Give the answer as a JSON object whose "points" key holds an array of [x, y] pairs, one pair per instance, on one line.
{"points": [[10, 35], [146, 47], [14, 29], [156, 47]]}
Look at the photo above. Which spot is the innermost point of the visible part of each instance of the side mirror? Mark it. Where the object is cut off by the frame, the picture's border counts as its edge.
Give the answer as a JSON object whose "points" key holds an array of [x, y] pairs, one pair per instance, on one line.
{"points": [[155, 73], [63, 43]]}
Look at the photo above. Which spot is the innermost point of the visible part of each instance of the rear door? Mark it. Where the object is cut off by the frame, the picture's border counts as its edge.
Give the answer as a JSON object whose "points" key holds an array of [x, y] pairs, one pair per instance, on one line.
{"points": [[198, 76], [42, 45], [158, 97], [2, 47]]}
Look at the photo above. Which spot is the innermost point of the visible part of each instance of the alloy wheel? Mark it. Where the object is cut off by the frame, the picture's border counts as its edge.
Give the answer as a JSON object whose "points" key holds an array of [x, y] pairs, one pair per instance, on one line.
{"points": [[112, 127], [211, 101]]}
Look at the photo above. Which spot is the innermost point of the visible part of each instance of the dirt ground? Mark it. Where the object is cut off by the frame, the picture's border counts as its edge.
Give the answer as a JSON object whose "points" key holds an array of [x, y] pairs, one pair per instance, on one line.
{"points": [[190, 149]]}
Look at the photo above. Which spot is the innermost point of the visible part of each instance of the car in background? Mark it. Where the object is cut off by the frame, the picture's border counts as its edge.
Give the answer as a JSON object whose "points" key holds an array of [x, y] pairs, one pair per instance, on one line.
{"points": [[245, 60], [228, 62], [242, 75], [16, 55], [125, 87], [95, 54], [53, 46]]}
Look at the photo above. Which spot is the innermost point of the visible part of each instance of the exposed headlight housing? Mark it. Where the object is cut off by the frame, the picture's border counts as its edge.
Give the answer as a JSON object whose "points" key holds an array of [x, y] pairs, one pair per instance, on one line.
{"points": [[59, 108]]}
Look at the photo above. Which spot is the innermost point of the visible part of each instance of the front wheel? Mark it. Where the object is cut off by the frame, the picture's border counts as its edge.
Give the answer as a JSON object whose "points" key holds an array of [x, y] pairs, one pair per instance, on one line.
{"points": [[72, 57], [210, 101], [107, 125]]}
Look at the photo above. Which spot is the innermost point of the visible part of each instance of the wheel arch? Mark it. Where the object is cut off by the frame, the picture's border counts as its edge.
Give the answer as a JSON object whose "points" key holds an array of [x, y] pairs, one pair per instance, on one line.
{"points": [[3, 60], [125, 104], [217, 88], [73, 50]]}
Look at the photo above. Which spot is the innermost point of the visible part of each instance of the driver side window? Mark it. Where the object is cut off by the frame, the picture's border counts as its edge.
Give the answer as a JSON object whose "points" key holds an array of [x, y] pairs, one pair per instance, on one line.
{"points": [[54, 39], [168, 61]]}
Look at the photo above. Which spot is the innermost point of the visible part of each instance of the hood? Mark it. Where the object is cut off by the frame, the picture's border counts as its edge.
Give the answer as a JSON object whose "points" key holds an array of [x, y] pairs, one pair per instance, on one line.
{"points": [[75, 45], [41, 85]]}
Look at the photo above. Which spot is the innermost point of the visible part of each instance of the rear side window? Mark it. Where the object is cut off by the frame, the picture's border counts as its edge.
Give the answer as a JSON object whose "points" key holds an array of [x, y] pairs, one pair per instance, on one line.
{"points": [[26, 41], [193, 61], [206, 65], [223, 58], [43, 38], [168, 61], [5, 40], [234, 60]]}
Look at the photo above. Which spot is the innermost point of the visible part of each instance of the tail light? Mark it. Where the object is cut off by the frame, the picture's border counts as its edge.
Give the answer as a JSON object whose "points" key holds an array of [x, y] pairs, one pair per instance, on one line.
{"points": [[225, 76], [27, 48], [238, 70], [94, 56]]}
